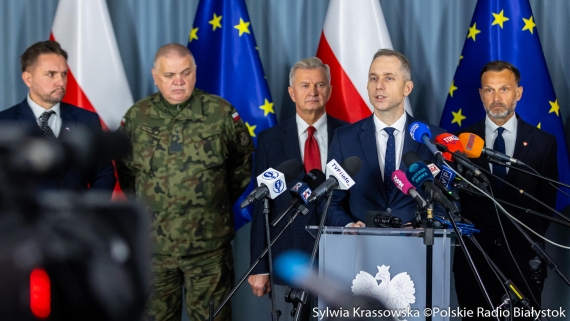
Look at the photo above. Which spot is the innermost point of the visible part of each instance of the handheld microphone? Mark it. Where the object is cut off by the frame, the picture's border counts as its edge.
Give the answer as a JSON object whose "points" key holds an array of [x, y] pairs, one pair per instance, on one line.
{"points": [[446, 176], [273, 182], [420, 133], [475, 145], [437, 181], [339, 176], [301, 192], [452, 144], [420, 176], [403, 184]]}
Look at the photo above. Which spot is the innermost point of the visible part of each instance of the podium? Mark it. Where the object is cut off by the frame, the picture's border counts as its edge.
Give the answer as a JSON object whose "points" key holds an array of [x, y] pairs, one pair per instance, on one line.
{"points": [[360, 258]]}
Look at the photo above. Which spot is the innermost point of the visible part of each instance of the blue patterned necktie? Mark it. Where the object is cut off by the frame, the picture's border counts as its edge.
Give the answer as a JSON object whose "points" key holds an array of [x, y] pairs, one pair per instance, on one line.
{"points": [[499, 146], [389, 161], [44, 125]]}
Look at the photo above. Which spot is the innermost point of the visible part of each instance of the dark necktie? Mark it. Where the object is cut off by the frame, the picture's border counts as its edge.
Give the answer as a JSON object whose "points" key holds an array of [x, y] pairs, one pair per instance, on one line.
{"points": [[389, 161], [44, 124], [499, 146], [312, 154]]}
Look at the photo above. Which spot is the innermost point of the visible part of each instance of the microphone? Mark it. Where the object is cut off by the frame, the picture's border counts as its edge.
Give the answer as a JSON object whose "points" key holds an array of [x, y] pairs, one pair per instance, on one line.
{"points": [[420, 176], [339, 176], [272, 182], [452, 144], [420, 133], [403, 184], [437, 181], [301, 192], [475, 145], [446, 176]]}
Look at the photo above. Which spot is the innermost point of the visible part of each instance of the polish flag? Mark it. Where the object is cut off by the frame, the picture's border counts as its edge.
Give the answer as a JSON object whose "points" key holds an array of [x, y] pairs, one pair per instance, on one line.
{"points": [[96, 80], [353, 32]]}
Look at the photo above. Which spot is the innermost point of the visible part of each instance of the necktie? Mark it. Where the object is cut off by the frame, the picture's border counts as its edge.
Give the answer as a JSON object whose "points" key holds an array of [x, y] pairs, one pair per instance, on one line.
{"points": [[312, 155], [44, 125], [499, 146], [389, 161]]}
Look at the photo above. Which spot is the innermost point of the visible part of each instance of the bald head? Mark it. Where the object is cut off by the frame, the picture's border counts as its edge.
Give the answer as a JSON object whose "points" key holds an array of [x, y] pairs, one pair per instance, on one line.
{"points": [[172, 50]]}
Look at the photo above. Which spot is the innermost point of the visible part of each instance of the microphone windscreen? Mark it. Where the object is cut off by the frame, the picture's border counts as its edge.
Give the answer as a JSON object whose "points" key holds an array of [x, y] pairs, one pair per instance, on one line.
{"points": [[410, 158], [314, 178], [290, 169], [401, 181], [472, 144], [451, 142], [417, 130], [418, 173], [352, 165]]}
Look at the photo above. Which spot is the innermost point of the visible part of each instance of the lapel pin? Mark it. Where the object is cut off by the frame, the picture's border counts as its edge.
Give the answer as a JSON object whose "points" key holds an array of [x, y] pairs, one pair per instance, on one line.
{"points": [[525, 143], [67, 128]]}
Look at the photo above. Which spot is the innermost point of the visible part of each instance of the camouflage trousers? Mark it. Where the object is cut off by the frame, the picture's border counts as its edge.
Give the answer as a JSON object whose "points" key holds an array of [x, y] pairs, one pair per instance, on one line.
{"points": [[204, 276]]}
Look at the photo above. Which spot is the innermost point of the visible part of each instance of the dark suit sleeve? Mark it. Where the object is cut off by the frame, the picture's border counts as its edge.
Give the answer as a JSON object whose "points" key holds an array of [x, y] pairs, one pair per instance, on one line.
{"points": [[257, 234], [546, 192], [337, 214], [103, 177]]}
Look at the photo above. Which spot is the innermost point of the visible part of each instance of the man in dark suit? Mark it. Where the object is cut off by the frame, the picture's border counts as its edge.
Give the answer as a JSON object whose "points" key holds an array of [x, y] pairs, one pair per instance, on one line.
{"points": [[379, 141], [499, 93], [294, 138], [44, 71]]}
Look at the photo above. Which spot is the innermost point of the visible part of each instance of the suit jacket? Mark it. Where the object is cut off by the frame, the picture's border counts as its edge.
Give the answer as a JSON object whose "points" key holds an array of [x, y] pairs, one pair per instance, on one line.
{"points": [[537, 149], [274, 146], [368, 194], [101, 177]]}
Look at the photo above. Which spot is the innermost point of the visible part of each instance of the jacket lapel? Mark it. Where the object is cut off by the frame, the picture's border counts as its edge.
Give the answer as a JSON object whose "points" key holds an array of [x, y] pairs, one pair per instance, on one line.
{"points": [[291, 141], [367, 138], [522, 143]]}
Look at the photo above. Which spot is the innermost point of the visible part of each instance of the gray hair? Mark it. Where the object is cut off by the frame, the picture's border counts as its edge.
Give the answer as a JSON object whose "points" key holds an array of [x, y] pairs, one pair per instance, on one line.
{"points": [[309, 63], [406, 67], [173, 48]]}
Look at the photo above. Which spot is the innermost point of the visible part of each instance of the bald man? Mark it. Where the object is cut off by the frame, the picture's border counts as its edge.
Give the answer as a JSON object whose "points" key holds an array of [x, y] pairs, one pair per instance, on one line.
{"points": [[190, 161]]}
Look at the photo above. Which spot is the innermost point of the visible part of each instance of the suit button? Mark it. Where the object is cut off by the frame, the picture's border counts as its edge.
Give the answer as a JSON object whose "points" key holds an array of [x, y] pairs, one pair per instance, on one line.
{"points": [[389, 210]]}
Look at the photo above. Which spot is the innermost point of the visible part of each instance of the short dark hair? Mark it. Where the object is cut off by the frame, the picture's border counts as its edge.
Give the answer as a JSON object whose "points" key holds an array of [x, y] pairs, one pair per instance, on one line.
{"points": [[406, 66], [499, 65], [30, 56]]}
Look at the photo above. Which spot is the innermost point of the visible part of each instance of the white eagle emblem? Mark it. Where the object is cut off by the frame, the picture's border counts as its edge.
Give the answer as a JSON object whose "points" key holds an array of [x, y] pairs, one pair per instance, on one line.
{"points": [[396, 293]]}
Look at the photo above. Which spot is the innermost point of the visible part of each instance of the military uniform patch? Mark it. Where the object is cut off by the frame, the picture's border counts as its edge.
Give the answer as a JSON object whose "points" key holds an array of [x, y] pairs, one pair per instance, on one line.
{"points": [[244, 139], [235, 116], [150, 130]]}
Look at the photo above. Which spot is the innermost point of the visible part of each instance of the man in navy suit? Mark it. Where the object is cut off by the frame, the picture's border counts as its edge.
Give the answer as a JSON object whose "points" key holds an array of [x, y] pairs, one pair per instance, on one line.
{"points": [[375, 139], [500, 91], [44, 71], [310, 89]]}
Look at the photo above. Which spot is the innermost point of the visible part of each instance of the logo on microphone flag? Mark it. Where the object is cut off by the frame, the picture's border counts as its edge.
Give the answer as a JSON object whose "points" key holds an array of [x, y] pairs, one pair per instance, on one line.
{"points": [[505, 30], [222, 42]]}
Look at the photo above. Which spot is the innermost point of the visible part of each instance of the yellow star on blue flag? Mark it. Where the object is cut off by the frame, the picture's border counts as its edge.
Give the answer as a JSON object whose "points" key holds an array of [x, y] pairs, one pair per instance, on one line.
{"points": [[231, 68], [515, 40]]}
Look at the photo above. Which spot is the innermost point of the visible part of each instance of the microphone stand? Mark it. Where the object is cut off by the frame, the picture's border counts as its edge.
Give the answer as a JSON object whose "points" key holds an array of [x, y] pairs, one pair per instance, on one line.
{"points": [[470, 261], [301, 210], [428, 241], [274, 312], [498, 162], [303, 300]]}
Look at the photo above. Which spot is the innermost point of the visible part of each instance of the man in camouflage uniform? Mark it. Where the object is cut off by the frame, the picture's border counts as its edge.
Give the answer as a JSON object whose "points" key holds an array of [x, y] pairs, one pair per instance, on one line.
{"points": [[190, 161]]}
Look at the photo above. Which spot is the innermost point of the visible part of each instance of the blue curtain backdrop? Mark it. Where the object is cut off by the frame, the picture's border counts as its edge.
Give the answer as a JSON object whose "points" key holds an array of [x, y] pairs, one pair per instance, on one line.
{"points": [[430, 33]]}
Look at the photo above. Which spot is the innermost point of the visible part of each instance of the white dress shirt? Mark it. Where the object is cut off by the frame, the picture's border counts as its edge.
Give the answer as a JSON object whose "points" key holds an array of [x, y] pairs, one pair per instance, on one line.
{"points": [[54, 122], [382, 140], [509, 135], [321, 135]]}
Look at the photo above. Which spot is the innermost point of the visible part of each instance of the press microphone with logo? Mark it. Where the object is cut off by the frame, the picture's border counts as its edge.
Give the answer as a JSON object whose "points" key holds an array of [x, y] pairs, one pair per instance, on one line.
{"points": [[475, 146], [301, 192], [440, 176], [420, 133], [339, 176], [453, 145], [273, 182], [403, 184], [419, 175]]}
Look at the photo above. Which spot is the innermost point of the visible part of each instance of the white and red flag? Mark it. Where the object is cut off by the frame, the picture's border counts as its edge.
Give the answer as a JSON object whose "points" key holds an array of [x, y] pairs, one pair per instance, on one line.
{"points": [[96, 79], [353, 32]]}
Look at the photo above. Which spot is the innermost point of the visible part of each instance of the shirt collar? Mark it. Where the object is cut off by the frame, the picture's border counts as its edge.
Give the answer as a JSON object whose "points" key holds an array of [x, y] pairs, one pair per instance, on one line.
{"points": [[39, 110], [510, 126], [399, 125], [320, 125]]}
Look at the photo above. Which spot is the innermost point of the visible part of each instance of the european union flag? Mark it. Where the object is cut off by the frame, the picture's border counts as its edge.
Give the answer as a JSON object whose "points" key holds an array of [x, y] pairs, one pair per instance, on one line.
{"points": [[229, 66], [506, 30]]}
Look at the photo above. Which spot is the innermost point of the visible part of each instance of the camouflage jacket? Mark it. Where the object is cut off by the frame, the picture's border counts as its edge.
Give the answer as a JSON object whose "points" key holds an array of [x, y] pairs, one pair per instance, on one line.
{"points": [[188, 169]]}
